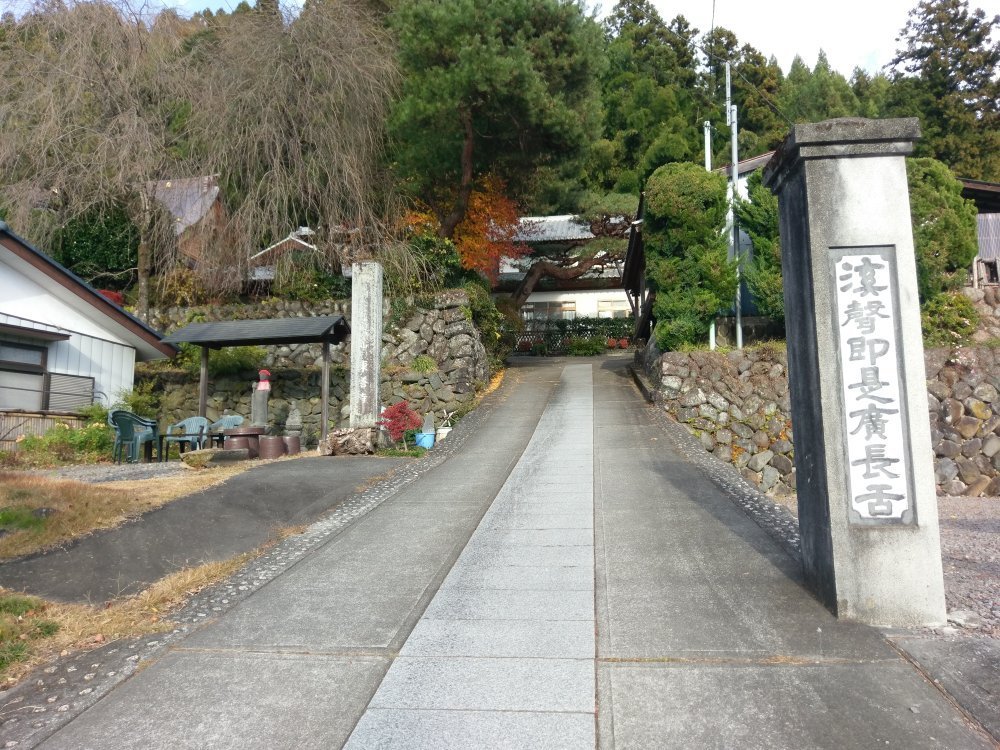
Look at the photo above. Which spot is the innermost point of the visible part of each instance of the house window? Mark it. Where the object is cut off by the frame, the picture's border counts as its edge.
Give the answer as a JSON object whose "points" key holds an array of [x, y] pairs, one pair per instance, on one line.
{"points": [[22, 376], [613, 308], [541, 313]]}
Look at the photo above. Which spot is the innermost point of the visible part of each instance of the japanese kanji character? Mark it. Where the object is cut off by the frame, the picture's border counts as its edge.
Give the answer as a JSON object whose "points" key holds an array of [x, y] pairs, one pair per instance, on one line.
{"points": [[866, 273], [864, 315], [876, 462], [872, 420], [876, 348], [879, 501], [870, 383]]}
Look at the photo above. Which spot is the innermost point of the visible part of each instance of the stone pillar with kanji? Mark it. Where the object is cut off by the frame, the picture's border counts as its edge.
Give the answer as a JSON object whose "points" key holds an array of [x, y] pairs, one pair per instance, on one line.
{"points": [[864, 464], [366, 343]]}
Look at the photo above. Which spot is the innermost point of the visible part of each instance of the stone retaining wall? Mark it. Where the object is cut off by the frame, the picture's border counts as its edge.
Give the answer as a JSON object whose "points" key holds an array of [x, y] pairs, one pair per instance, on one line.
{"points": [[454, 366], [737, 404], [987, 302], [446, 335]]}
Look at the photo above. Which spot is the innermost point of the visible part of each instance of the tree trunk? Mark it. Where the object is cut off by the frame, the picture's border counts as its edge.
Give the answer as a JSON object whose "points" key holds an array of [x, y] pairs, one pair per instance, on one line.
{"points": [[552, 270], [453, 219], [143, 274], [144, 259]]}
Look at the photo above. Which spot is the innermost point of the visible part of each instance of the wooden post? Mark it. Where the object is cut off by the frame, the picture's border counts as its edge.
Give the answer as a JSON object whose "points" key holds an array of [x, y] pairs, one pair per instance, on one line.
{"points": [[325, 392], [203, 383]]}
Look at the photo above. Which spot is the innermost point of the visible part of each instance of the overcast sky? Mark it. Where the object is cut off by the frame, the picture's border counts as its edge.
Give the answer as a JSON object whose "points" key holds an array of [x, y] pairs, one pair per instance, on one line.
{"points": [[853, 33]]}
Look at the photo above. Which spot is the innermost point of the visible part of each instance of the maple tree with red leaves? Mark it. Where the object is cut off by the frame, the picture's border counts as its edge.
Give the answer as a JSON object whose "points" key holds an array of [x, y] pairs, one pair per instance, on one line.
{"points": [[397, 419], [486, 233]]}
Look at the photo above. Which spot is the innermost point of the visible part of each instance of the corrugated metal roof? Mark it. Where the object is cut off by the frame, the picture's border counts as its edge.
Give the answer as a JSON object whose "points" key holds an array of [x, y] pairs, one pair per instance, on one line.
{"points": [[552, 229], [331, 328], [988, 230], [188, 199]]}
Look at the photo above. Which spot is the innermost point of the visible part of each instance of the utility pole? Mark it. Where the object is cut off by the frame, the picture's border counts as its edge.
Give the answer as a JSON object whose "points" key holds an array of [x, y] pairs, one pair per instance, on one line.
{"points": [[708, 168], [731, 121]]}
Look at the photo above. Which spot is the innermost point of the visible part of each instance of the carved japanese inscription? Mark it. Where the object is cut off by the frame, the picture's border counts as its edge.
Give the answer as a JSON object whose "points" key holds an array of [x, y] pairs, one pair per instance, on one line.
{"points": [[874, 398]]}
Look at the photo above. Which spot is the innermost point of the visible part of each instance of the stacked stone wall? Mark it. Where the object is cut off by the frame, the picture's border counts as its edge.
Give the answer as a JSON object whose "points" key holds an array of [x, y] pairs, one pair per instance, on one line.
{"points": [[738, 406], [446, 335], [987, 303], [457, 366]]}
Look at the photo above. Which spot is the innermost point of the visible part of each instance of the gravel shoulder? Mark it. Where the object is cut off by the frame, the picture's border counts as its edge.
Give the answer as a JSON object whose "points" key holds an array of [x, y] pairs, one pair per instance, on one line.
{"points": [[970, 555]]}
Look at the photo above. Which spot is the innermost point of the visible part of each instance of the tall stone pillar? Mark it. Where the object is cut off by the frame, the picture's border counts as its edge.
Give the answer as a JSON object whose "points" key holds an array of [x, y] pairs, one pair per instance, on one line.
{"points": [[366, 342], [864, 463]]}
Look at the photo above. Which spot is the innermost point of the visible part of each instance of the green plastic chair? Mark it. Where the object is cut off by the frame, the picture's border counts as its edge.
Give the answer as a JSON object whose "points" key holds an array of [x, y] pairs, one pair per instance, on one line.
{"points": [[191, 426], [131, 433]]}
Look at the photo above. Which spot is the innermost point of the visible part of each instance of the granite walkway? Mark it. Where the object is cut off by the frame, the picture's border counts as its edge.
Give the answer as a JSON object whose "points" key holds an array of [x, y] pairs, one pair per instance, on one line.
{"points": [[564, 580]]}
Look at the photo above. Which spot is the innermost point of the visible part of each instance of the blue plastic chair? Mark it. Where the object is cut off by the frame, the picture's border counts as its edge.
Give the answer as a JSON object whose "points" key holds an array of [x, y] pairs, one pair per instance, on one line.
{"points": [[131, 433], [226, 422], [197, 426]]}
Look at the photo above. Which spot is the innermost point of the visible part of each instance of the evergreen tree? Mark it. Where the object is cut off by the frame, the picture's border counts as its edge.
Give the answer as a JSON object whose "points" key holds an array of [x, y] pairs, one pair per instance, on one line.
{"points": [[646, 92], [491, 86], [758, 217], [950, 71], [944, 227], [819, 94]]}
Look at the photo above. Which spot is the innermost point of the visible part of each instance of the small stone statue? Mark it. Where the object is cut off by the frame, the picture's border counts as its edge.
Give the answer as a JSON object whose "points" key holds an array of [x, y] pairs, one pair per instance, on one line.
{"points": [[293, 424], [258, 402]]}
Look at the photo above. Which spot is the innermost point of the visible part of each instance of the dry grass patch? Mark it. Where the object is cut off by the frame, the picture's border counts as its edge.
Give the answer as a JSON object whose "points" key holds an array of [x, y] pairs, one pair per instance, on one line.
{"points": [[41, 513], [42, 630], [495, 383]]}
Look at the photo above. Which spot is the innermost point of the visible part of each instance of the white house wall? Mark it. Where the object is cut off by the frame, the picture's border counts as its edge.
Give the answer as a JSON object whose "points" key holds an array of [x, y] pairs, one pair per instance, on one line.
{"points": [[586, 300], [24, 297], [111, 364]]}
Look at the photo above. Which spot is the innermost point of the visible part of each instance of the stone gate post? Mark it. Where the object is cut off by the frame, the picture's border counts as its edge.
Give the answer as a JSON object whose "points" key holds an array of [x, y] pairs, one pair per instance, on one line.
{"points": [[864, 464], [366, 343]]}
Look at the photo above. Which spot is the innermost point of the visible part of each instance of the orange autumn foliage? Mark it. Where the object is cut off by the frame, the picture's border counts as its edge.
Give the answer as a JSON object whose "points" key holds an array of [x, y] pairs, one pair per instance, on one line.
{"points": [[487, 232], [420, 220]]}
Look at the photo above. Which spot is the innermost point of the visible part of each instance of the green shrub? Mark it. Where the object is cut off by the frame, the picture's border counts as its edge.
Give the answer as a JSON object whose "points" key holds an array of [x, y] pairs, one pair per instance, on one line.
{"points": [[423, 364], [586, 347], [758, 217], [300, 276], [944, 227], [494, 327], [63, 444], [949, 319], [143, 399], [686, 251], [233, 360]]}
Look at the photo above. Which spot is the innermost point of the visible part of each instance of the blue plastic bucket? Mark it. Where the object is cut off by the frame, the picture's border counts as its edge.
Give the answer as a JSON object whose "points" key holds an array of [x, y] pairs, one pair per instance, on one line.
{"points": [[425, 439]]}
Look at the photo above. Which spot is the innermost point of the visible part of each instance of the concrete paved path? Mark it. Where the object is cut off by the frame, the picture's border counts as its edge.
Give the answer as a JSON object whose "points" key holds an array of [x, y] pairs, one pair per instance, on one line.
{"points": [[565, 580]]}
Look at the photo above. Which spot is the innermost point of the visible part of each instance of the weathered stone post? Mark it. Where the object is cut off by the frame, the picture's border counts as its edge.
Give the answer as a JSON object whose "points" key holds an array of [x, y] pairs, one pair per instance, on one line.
{"points": [[864, 463], [366, 343]]}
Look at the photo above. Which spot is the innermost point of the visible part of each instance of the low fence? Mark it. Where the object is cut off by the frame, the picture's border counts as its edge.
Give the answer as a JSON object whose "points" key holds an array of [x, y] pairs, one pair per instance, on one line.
{"points": [[553, 337], [14, 424]]}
